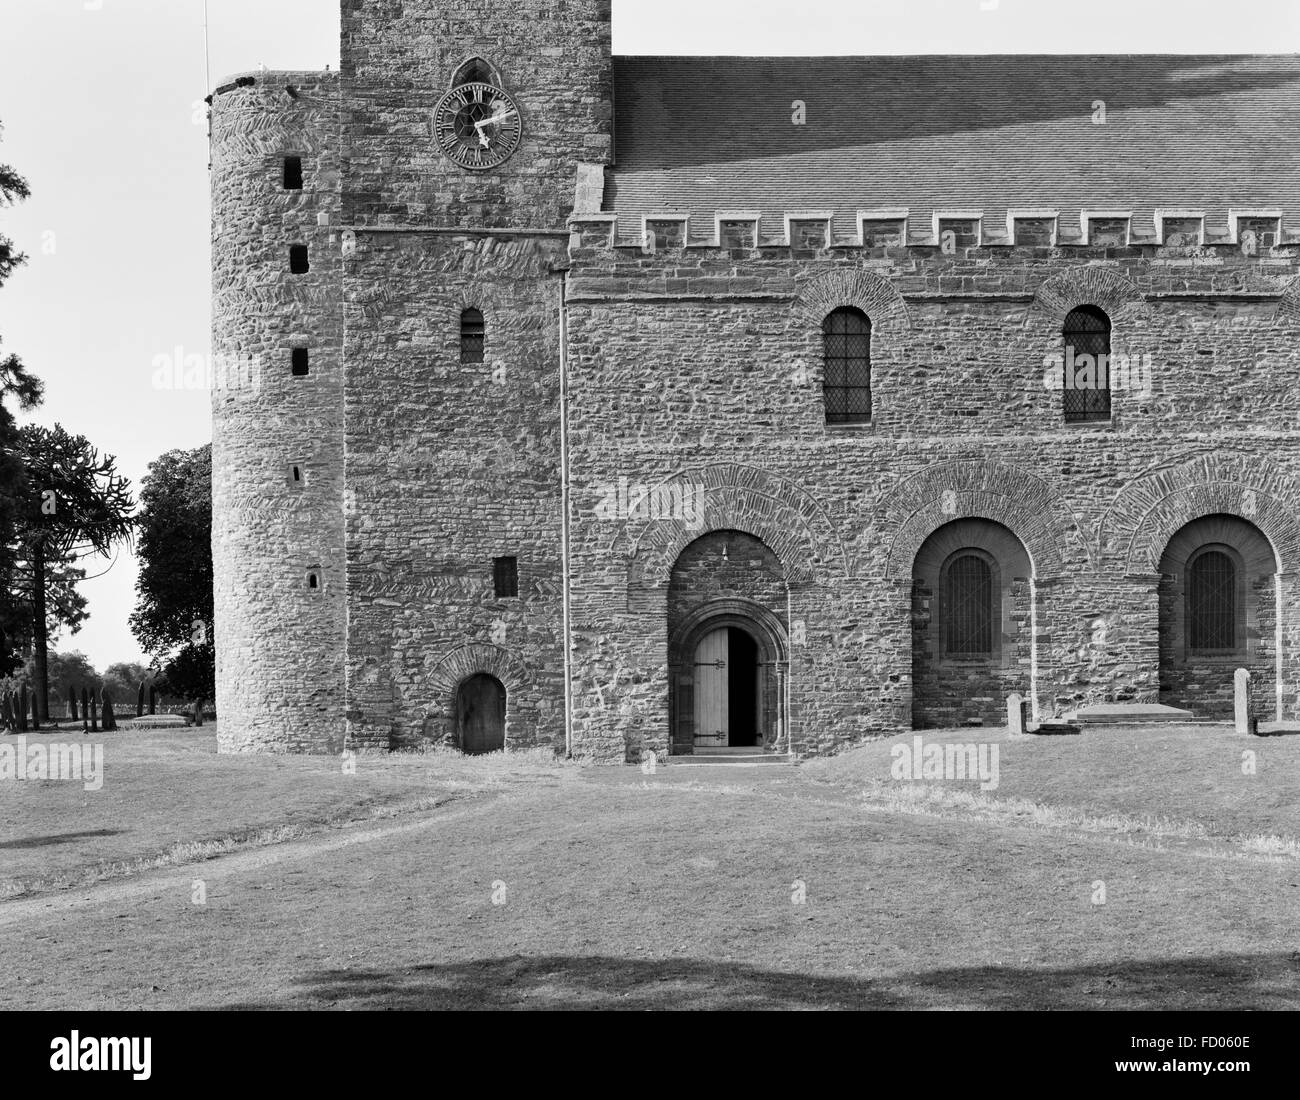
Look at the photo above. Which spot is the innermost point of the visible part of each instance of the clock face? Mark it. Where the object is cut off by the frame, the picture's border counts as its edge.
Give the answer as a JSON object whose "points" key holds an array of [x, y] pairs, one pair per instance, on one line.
{"points": [[477, 125]]}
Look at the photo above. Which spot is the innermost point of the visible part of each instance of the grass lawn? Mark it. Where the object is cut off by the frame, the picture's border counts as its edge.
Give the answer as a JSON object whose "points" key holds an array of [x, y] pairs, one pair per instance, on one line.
{"points": [[1183, 780], [555, 886], [168, 796]]}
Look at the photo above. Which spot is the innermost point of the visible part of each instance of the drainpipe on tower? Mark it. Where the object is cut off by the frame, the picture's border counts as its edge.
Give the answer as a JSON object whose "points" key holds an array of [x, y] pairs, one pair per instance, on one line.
{"points": [[789, 666], [564, 512]]}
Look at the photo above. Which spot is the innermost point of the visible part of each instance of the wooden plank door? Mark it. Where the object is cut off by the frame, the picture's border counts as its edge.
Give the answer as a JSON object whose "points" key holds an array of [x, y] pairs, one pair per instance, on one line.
{"points": [[481, 704], [711, 710]]}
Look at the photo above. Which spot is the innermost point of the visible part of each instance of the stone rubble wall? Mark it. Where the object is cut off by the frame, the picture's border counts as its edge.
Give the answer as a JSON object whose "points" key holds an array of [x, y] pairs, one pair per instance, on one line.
{"points": [[450, 465], [279, 644], [706, 359]]}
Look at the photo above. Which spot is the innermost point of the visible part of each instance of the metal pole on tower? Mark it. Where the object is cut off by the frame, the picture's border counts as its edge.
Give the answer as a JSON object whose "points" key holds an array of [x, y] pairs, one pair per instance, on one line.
{"points": [[207, 77], [207, 52]]}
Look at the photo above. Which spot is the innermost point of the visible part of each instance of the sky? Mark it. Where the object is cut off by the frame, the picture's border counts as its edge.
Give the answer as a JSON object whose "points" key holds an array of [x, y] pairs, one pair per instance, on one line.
{"points": [[101, 104]]}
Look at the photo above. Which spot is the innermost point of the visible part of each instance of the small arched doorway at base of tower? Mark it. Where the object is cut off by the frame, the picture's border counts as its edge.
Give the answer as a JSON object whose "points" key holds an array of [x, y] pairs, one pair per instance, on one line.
{"points": [[481, 715]]}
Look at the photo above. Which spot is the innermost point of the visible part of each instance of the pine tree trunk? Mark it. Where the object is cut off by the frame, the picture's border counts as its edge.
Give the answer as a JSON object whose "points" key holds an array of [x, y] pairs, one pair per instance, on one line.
{"points": [[41, 664]]}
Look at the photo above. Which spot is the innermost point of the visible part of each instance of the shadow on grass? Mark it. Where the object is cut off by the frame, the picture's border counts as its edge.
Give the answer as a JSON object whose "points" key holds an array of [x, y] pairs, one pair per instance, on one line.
{"points": [[57, 838], [602, 982]]}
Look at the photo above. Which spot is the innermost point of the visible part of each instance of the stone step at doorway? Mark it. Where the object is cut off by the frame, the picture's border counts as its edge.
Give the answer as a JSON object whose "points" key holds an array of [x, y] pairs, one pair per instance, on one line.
{"points": [[730, 757]]}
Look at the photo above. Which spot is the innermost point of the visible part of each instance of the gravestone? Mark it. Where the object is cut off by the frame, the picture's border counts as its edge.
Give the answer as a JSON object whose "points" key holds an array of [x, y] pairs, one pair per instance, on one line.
{"points": [[1241, 700], [1016, 718], [107, 720]]}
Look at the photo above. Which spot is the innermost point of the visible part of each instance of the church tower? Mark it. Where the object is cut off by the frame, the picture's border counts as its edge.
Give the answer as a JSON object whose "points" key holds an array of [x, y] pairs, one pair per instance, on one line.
{"points": [[473, 115], [468, 131], [389, 249], [277, 413]]}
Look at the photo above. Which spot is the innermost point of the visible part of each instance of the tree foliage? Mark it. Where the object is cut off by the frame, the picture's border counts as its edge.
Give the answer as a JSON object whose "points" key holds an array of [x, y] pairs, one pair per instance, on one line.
{"points": [[191, 673], [123, 681], [173, 616], [76, 506], [12, 188], [19, 388], [65, 607], [65, 670]]}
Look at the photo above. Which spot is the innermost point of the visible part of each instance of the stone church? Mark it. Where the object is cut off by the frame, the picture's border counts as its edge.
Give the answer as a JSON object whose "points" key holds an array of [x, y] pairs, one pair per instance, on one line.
{"points": [[678, 404]]}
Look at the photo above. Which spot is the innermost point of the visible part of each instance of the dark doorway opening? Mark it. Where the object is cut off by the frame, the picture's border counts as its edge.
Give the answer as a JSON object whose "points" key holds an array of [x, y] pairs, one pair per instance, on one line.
{"points": [[481, 714], [742, 688]]}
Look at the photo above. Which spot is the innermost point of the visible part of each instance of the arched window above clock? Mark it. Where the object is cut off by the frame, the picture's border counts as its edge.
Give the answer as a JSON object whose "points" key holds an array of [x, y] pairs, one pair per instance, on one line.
{"points": [[476, 71]]}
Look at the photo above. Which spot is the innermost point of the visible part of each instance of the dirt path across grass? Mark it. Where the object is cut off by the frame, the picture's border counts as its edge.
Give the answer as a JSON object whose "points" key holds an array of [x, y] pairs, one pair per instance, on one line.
{"points": [[179, 880]]}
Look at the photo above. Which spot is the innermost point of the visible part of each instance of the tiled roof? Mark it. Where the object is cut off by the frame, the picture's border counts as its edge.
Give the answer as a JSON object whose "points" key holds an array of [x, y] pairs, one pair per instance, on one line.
{"points": [[702, 134]]}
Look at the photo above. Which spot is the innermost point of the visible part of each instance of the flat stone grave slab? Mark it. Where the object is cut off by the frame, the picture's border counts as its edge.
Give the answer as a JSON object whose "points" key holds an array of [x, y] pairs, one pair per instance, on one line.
{"points": [[152, 720], [1129, 714]]}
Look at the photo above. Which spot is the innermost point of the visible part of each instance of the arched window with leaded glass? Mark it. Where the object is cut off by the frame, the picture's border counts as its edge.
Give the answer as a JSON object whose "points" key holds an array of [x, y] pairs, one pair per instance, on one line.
{"points": [[968, 606], [847, 381], [1086, 369], [1211, 602]]}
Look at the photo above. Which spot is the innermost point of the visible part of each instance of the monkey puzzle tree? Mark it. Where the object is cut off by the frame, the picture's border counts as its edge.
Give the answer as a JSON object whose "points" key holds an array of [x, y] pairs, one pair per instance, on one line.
{"points": [[77, 506], [25, 390], [65, 607], [15, 383]]}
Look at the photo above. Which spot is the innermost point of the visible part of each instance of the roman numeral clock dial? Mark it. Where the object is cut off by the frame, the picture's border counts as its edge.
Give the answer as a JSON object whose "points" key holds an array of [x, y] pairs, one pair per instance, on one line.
{"points": [[477, 126]]}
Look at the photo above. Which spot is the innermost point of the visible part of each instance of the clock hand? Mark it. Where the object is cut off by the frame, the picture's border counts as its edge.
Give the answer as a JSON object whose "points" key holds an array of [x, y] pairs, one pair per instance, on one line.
{"points": [[494, 118]]}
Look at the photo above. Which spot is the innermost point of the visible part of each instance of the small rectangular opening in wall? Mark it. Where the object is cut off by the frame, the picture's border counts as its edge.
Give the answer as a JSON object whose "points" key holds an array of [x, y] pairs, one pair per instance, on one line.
{"points": [[809, 235], [737, 234], [313, 579], [965, 232], [505, 577], [298, 263], [473, 330], [665, 234], [883, 232], [1034, 232], [1182, 232], [1108, 232], [296, 475], [293, 173], [300, 364], [1264, 230]]}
